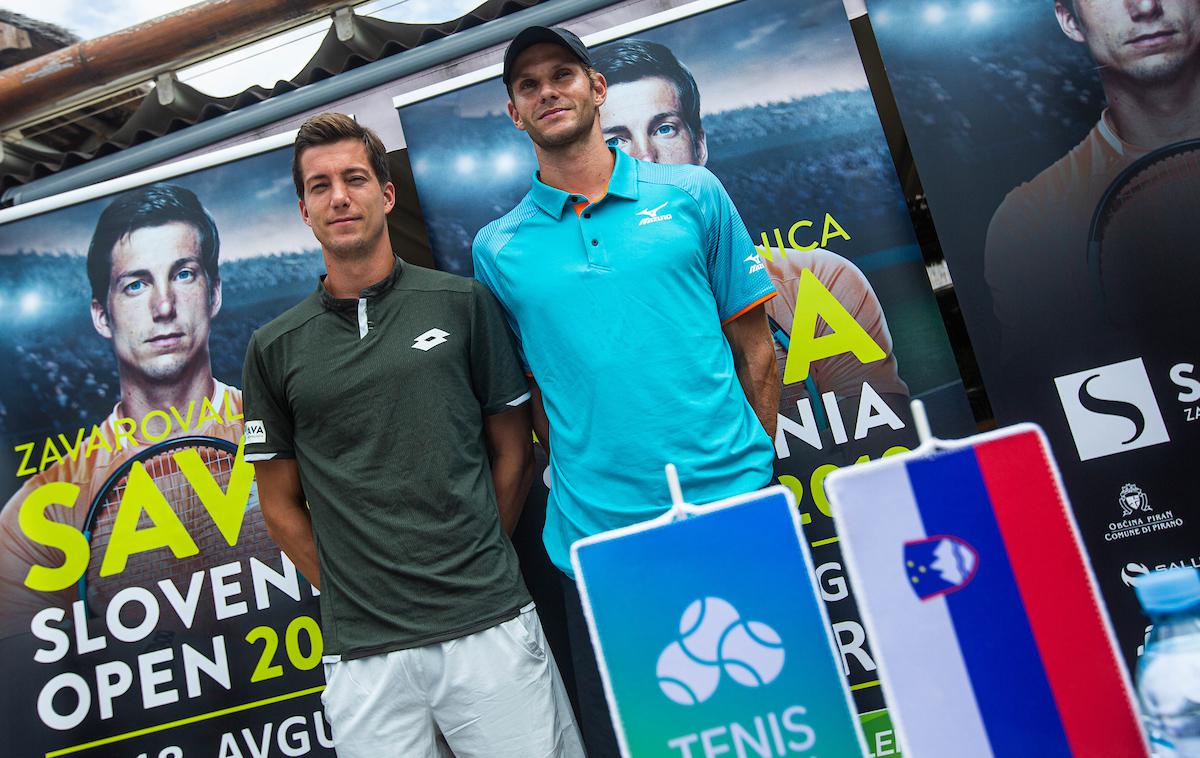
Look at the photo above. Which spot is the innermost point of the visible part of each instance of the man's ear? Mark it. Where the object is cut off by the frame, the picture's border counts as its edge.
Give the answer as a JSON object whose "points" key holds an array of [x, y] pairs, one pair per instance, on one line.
{"points": [[100, 320], [1068, 22], [516, 117], [701, 148], [599, 88], [214, 299], [389, 197], [304, 214]]}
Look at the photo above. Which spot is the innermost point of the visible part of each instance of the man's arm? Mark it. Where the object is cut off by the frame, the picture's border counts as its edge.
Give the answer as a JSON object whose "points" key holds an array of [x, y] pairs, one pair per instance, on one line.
{"points": [[749, 338], [511, 451], [285, 512]]}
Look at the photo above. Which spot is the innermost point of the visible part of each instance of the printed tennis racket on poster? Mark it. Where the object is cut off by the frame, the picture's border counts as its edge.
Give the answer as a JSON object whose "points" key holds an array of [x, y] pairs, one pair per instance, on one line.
{"points": [[771, 97], [144, 610]]}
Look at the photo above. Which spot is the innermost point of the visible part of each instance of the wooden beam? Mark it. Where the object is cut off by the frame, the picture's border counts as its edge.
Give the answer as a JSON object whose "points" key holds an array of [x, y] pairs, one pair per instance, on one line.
{"points": [[68, 78]]}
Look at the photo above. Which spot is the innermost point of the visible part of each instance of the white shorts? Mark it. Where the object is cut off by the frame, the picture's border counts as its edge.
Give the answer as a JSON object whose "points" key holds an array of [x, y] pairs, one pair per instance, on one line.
{"points": [[493, 693]]}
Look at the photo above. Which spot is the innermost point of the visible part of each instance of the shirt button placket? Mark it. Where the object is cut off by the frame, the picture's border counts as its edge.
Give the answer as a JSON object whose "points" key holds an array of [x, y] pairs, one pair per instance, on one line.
{"points": [[593, 244]]}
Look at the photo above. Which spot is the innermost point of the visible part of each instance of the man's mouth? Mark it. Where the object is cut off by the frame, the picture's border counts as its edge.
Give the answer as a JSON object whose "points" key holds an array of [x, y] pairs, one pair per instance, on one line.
{"points": [[1152, 40], [551, 112], [171, 339], [344, 220]]}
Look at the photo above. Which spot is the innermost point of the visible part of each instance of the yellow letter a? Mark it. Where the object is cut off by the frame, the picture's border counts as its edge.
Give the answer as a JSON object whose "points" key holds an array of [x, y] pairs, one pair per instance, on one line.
{"points": [[228, 508], [167, 531], [813, 300]]}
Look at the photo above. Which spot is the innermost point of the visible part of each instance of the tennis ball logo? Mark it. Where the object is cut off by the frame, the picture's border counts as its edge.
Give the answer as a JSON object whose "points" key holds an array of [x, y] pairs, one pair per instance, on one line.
{"points": [[714, 638]]}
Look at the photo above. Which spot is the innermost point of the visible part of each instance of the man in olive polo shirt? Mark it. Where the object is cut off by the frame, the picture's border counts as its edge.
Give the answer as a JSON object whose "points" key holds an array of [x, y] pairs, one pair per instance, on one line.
{"points": [[386, 416]]}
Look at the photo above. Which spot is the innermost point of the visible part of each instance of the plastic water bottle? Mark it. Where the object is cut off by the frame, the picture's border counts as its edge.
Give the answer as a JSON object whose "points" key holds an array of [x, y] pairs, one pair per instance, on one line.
{"points": [[1168, 676]]}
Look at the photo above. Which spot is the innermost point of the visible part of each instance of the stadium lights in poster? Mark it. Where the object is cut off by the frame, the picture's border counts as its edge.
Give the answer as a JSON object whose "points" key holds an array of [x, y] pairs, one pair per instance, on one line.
{"points": [[785, 120], [1057, 146], [140, 596]]}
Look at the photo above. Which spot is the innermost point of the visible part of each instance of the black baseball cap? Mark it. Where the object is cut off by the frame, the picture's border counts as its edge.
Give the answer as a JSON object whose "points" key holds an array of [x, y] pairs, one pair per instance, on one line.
{"points": [[535, 35]]}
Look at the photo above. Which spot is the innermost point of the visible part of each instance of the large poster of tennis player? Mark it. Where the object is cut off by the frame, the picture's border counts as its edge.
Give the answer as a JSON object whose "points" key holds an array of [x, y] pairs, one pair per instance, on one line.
{"points": [[1057, 143], [144, 610], [772, 98]]}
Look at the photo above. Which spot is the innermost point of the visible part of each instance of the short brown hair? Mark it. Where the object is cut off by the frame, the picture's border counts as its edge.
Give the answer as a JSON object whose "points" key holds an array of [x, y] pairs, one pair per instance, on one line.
{"points": [[327, 128]]}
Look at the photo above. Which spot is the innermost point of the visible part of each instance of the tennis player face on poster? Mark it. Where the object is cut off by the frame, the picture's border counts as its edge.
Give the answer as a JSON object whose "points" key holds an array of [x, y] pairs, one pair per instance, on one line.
{"points": [[1148, 42], [1049, 235], [647, 119], [157, 308]]}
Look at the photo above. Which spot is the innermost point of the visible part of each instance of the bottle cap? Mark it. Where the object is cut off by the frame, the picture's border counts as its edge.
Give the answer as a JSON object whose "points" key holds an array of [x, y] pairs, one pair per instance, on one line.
{"points": [[1168, 591]]}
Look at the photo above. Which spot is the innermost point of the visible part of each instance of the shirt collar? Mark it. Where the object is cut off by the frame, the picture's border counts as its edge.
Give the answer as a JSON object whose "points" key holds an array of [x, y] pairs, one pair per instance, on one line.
{"points": [[622, 183], [378, 288]]}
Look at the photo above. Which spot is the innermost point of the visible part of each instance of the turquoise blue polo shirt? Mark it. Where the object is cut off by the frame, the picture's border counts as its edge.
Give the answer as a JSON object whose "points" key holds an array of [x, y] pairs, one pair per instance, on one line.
{"points": [[618, 312]]}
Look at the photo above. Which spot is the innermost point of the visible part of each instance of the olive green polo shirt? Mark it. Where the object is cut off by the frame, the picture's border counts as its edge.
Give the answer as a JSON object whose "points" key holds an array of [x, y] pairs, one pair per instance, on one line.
{"points": [[381, 400]]}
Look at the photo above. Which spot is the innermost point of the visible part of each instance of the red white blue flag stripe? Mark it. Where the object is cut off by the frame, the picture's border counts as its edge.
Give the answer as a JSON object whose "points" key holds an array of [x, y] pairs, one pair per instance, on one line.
{"points": [[980, 605]]}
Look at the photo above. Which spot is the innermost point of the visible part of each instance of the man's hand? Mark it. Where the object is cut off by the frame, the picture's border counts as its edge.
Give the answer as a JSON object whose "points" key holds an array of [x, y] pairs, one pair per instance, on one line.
{"points": [[285, 512], [749, 338]]}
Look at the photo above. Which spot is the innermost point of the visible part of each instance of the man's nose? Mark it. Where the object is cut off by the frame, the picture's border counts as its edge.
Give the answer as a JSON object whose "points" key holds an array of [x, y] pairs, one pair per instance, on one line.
{"points": [[1143, 9], [643, 149], [340, 193], [162, 303]]}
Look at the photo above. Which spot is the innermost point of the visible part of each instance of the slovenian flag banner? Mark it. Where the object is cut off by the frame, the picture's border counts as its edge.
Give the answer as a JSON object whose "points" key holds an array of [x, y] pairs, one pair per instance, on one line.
{"points": [[979, 602]]}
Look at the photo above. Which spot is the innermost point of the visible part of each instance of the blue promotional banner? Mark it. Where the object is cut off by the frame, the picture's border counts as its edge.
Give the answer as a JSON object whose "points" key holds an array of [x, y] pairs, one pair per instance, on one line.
{"points": [[144, 608], [771, 97], [725, 646], [1065, 203]]}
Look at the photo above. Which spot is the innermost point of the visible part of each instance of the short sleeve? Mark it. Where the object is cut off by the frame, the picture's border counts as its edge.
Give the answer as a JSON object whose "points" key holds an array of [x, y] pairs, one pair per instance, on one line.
{"points": [[736, 273], [496, 374], [268, 422], [485, 273]]}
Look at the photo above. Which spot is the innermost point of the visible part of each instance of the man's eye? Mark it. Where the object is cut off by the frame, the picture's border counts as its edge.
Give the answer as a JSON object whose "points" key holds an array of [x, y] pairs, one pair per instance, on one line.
{"points": [[357, 179], [316, 187], [666, 130], [186, 275], [134, 287], [615, 142]]}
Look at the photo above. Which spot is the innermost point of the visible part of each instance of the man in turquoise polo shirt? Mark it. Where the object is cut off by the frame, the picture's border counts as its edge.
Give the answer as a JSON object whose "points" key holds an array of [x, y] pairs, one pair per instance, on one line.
{"points": [[637, 299]]}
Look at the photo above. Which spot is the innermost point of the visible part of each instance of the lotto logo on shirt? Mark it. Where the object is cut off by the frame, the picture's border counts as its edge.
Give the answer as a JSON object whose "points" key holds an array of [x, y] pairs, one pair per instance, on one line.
{"points": [[1111, 409], [714, 657]]}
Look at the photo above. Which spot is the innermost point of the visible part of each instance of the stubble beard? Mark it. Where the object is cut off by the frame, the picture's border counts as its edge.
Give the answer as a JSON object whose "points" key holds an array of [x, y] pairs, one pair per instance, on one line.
{"points": [[168, 370], [567, 138], [1162, 72], [354, 249]]}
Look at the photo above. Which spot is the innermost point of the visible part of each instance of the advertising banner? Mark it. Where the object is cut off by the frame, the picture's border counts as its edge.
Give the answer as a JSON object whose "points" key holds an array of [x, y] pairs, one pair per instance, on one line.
{"points": [[990, 635], [772, 98], [1056, 143], [144, 610], [720, 650]]}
